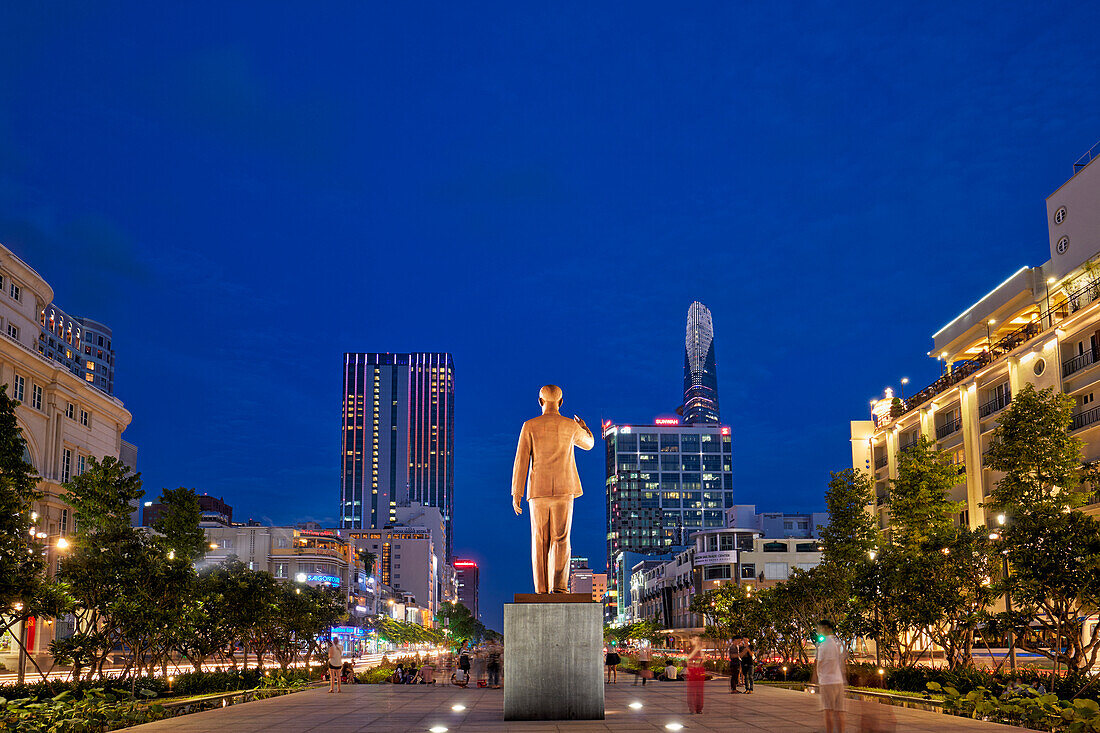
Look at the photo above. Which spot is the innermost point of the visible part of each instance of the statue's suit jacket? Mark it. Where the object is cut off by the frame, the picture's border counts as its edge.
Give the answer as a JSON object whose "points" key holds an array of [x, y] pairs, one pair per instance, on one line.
{"points": [[546, 447]]}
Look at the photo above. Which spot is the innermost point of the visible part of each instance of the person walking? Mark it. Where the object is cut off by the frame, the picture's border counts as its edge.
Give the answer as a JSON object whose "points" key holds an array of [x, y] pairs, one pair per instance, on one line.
{"points": [[830, 674], [335, 664], [747, 661], [493, 665], [643, 664], [611, 662], [695, 676]]}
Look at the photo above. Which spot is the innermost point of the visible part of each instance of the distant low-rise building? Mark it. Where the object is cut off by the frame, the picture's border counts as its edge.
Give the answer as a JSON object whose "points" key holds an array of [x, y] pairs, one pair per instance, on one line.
{"points": [[662, 591], [777, 524], [310, 557], [215, 512]]}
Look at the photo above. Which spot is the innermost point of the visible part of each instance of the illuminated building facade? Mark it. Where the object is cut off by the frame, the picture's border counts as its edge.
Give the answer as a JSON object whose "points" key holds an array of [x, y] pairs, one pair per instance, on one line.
{"points": [[700, 368], [398, 437], [64, 419], [468, 576], [1041, 326], [664, 482]]}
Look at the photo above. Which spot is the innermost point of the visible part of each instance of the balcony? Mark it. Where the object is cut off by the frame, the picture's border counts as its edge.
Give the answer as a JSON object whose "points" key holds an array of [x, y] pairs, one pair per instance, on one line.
{"points": [[996, 404], [1077, 363], [949, 427], [881, 461], [881, 500], [906, 446], [1044, 321], [1084, 419]]}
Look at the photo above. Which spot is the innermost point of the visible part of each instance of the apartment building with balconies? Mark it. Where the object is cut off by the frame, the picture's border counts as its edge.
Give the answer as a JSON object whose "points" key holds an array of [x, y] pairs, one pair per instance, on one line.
{"points": [[1041, 326]]}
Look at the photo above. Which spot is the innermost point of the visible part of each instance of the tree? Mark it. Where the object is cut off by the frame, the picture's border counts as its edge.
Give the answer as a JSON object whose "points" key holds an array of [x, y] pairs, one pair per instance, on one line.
{"points": [[107, 562], [22, 566], [1055, 579], [851, 532], [460, 622], [920, 507], [1040, 460], [302, 616], [178, 524]]}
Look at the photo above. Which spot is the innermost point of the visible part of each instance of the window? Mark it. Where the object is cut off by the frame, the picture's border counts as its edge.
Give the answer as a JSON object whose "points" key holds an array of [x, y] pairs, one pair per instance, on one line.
{"points": [[36, 397], [1085, 399], [280, 570], [717, 572], [66, 464], [775, 571], [13, 331], [64, 521], [70, 410], [81, 465], [282, 543], [15, 292], [788, 524], [83, 417], [748, 571], [775, 547], [17, 392], [227, 543]]}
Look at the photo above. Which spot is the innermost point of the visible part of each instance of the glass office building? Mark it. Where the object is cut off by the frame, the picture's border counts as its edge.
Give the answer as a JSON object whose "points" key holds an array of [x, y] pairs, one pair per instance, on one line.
{"points": [[664, 482], [700, 368], [398, 437]]}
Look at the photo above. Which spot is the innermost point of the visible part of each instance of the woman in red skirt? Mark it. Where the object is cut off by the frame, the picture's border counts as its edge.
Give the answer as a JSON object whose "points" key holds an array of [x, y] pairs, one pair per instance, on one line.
{"points": [[695, 676]]}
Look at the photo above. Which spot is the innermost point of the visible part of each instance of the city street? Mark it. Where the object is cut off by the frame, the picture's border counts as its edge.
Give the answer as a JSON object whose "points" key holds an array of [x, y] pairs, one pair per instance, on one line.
{"points": [[388, 708]]}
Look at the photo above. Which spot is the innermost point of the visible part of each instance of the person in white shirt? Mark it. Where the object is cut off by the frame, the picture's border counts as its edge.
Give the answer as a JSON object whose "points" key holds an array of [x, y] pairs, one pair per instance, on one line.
{"points": [[830, 673], [670, 672], [335, 664]]}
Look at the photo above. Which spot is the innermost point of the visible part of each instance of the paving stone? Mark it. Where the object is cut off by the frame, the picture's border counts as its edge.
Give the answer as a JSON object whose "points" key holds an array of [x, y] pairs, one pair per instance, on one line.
{"points": [[398, 709]]}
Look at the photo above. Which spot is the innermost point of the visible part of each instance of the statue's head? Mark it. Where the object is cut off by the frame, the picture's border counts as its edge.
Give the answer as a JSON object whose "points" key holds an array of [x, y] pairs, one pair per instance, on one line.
{"points": [[550, 398]]}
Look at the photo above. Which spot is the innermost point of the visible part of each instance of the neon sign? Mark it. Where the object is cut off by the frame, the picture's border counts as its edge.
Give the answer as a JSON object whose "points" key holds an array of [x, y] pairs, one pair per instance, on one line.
{"points": [[465, 564], [331, 579], [667, 421]]}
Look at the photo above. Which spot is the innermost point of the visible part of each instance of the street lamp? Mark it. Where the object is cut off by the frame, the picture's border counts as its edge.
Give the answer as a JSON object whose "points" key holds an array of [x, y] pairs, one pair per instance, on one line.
{"points": [[300, 577], [62, 544], [904, 381], [996, 536]]}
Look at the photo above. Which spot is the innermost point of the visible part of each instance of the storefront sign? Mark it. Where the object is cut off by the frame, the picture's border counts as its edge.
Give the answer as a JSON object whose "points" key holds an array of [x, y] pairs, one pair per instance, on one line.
{"points": [[721, 557], [331, 579]]}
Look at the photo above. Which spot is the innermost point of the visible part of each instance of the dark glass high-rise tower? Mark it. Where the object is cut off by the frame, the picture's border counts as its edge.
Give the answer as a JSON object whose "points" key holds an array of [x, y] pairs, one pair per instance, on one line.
{"points": [[398, 437], [700, 368]]}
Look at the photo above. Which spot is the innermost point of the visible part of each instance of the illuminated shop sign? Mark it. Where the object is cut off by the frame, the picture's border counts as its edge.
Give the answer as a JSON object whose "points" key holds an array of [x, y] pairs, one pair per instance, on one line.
{"points": [[331, 579]]}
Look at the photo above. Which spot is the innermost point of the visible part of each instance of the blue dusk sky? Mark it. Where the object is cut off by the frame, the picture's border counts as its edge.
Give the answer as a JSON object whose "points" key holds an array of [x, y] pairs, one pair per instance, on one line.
{"points": [[243, 192]]}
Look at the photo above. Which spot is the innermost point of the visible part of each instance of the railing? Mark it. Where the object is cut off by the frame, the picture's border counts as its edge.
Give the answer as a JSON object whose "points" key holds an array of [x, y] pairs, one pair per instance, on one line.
{"points": [[880, 500], [881, 461], [1083, 419], [1046, 320], [1090, 154], [1077, 363], [949, 427], [996, 404], [906, 446]]}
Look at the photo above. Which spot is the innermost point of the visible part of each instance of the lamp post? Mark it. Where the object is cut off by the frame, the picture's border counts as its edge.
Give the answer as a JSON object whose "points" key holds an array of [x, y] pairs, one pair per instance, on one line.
{"points": [[878, 652], [904, 381], [998, 535]]}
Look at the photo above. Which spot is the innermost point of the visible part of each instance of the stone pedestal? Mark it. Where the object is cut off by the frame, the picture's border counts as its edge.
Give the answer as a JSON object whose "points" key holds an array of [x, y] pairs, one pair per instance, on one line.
{"points": [[553, 661]]}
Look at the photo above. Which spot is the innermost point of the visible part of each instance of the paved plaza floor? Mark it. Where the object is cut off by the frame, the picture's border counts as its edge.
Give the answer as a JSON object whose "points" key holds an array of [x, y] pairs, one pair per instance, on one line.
{"points": [[384, 708]]}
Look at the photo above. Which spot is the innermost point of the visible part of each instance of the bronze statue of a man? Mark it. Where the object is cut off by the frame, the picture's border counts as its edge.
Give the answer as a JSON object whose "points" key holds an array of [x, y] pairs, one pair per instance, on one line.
{"points": [[546, 448]]}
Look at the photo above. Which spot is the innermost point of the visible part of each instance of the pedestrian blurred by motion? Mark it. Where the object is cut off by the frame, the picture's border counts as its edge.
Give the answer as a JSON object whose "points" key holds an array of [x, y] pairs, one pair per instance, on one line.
{"points": [[695, 675], [747, 661], [831, 675]]}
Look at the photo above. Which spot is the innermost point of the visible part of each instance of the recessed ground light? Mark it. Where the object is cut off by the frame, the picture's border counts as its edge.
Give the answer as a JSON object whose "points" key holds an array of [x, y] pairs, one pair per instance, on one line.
{"points": [[437, 729], [458, 708], [674, 726], [635, 705]]}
